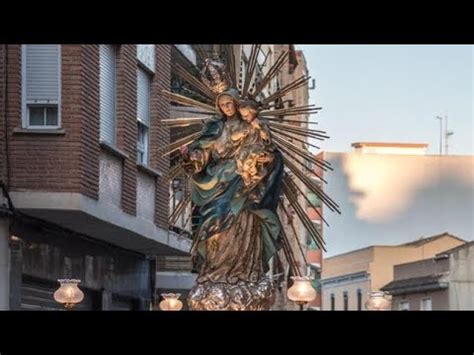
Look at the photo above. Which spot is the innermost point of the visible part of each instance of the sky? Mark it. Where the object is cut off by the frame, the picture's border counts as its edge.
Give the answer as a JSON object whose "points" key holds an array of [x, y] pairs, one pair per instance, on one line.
{"points": [[392, 93]]}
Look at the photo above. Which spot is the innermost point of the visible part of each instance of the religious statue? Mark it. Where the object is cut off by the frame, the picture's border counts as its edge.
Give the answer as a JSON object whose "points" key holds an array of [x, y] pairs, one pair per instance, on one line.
{"points": [[235, 166]]}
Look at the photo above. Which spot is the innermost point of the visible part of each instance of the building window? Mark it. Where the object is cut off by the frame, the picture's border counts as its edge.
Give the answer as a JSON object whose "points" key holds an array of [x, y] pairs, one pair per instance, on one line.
{"points": [[359, 299], [425, 304], [333, 302], [143, 115], [41, 86], [146, 56], [403, 306], [107, 88], [188, 52], [346, 300]]}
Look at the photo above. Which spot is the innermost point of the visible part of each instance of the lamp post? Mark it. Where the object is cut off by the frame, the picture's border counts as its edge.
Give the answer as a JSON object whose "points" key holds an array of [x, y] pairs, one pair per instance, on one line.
{"points": [[302, 291], [378, 301], [171, 302], [68, 294]]}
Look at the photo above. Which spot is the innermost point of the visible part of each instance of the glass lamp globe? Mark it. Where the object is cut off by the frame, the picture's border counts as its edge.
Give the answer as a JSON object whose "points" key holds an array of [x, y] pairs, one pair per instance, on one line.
{"points": [[68, 294], [378, 301], [302, 291], [171, 302]]}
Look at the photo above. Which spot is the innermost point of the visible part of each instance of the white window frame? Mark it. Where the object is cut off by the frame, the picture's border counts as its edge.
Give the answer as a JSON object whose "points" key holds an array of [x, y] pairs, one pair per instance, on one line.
{"points": [[404, 306], [25, 112], [422, 305]]}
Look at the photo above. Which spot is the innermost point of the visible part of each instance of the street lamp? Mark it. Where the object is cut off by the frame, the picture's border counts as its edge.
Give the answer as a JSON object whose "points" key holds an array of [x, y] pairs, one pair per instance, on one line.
{"points": [[302, 291], [68, 294], [378, 301], [171, 302]]}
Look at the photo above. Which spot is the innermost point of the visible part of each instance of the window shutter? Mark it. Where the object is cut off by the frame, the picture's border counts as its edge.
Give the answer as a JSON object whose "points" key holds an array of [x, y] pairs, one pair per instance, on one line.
{"points": [[42, 65], [107, 93], [143, 97]]}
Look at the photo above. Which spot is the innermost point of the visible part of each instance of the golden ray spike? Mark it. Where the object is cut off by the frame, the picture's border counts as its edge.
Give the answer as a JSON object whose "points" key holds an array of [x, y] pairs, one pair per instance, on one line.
{"points": [[229, 49], [195, 83], [283, 111], [305, 154], [191, 111], [333, 206], [301, 163], [303, 130], [303, 80], [250, 68], [294, 233], [294, 130], [274, 69], [176, 145], [283, 120], [175, 173], [302, 215], [180, 208], [283, 134], [312, 186], [302, 153], [187, 101], [178, 121], [299, 191], [288, 112], [290, 256]]}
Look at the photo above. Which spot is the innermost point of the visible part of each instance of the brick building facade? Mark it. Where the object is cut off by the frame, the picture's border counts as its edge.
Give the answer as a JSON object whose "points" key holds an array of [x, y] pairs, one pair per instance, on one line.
{"points": [[61, 174]]}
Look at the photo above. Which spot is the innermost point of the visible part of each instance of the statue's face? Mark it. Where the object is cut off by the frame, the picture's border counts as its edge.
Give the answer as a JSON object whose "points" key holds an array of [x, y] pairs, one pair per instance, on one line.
{"points": [[247, 114], [227, 105]]}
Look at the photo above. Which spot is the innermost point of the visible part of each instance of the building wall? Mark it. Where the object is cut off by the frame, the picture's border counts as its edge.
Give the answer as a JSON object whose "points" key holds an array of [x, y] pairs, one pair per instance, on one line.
{"points": [[439, 300], [338, 291], [378, 262], [145, 196], [71, 159], [461, 283], [421, 268], [349, 263], [110, 178], [53, 162], [381, 269], [45, 254], [159, 133]]}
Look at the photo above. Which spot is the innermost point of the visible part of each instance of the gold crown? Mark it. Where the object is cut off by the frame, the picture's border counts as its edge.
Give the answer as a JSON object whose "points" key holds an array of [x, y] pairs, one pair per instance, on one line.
{"points": [[215, 76]]}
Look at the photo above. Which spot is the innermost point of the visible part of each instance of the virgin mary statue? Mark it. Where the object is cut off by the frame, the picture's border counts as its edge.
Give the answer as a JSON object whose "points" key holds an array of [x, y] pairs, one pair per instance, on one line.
{"points": [[238, 228], [241, 166]]}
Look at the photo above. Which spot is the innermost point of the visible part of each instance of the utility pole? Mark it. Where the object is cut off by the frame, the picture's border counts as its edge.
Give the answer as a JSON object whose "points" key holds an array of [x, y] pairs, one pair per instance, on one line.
{"points": [[440, 134]]}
